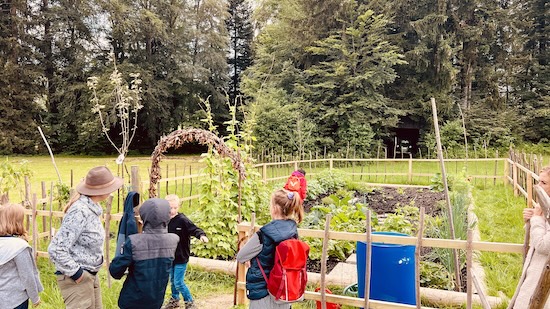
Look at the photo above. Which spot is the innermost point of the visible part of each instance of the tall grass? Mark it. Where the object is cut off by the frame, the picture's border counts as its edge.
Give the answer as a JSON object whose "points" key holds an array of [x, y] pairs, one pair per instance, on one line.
{"points": [[499, 215]]}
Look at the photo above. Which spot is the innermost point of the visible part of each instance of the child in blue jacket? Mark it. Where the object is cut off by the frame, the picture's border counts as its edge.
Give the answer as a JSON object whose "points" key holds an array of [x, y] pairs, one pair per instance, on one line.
{"points": [[147, 257]]}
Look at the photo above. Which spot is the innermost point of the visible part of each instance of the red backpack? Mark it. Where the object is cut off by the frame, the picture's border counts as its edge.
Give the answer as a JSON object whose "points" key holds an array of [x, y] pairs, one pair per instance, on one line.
{"points": [[288, 277], [297, 183], [293, 183]]}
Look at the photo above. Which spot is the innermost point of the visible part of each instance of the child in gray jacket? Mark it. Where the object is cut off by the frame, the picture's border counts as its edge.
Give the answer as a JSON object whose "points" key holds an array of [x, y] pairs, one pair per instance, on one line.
{"points": [[19, 280], [147, 257]]}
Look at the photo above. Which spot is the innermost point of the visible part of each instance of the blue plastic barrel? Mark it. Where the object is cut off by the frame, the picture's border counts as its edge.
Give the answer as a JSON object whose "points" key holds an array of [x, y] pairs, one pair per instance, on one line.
{"points": [[392, 271]]}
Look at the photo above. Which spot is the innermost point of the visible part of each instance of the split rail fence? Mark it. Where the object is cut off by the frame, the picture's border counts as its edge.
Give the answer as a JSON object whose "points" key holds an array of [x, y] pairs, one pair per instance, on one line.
{"points": [[521, 178]]}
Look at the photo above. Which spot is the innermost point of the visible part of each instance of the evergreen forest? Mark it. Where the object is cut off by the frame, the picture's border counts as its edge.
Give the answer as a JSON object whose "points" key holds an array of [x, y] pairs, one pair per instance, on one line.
{"points": [[304, 75]]}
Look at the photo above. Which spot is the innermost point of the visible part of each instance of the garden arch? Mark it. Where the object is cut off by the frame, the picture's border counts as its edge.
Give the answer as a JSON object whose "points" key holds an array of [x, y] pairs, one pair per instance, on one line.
{"points": [[178, 138]]}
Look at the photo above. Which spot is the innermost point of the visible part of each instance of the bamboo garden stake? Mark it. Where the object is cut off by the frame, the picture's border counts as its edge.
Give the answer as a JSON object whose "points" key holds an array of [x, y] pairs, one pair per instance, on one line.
{"points": [[446, 188]]}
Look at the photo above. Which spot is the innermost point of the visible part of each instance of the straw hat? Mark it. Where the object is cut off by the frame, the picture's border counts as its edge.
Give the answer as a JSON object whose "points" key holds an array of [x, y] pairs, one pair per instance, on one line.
{"points": [[99, 181]]}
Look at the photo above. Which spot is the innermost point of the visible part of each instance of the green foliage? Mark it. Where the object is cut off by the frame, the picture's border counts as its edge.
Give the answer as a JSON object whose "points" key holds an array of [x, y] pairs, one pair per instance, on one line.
{"points": [[220, 195], [436, 276], [440, 227], [345, 217], [330, 180], [62, 193], [404, 220], [12, 176]]}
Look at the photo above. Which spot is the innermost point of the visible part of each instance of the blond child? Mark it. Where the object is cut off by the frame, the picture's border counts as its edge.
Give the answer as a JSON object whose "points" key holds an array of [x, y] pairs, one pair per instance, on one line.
{"points": [[286, 212], [183, 227], [19, 279]]}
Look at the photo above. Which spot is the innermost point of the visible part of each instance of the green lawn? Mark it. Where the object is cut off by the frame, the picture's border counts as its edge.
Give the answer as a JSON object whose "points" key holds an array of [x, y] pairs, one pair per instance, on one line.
{"points": [[500, 220]]}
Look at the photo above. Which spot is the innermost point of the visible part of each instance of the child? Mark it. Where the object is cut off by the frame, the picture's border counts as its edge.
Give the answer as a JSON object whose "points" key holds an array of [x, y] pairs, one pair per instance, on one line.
{"points": [[147, 257], [297, 182], [76, 250], [286, 211], [183, 227], [19, 280]]}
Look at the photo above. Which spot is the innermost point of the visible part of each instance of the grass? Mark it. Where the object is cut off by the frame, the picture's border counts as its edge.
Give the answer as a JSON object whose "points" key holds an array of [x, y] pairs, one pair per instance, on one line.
{"points": [[499, 215], [203, 284]]}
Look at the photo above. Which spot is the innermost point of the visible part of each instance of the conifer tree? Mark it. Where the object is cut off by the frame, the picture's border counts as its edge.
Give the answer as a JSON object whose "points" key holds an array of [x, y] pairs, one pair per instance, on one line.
{"points": [[19, 80], [240, 32]]}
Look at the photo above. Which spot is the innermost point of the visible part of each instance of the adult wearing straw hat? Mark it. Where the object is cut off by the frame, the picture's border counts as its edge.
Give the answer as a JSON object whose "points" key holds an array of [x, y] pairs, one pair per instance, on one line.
{"points": [[77, 248]]}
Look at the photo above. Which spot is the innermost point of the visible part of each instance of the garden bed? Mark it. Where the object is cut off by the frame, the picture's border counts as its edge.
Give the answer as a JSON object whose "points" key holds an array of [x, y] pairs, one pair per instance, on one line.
{"points": [[383, 201]]}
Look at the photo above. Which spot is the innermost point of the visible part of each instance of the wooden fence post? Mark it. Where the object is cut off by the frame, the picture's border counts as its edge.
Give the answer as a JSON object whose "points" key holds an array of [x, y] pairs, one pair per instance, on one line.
{"points": [[324, 262], [410, 169], [529, 190], [506, 172], [368, 263], [330, 163], [35, 234], [417, 250], [43, 205], [469, 269], [515, 178], [241, 276], [27, 202], [264, 172], [135, 181]]}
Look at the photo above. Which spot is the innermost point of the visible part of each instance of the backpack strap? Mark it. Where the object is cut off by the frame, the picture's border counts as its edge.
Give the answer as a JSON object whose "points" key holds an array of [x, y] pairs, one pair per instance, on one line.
{"points": [[261, 269]]}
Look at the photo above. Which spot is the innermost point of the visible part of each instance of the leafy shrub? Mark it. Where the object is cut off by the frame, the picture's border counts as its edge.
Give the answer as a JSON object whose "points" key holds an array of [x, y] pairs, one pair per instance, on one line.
{"points": [[345, 217], [404, 220], [434, 275], [12, 176]]}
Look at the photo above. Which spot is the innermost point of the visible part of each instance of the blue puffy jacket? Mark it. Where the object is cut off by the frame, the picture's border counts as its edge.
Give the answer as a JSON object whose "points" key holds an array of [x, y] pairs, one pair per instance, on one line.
{"points": [[270, 236], [147, 257]]}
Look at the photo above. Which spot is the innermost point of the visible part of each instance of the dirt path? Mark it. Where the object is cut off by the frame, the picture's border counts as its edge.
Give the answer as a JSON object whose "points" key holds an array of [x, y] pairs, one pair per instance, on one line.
{"points": [[223, 301]]}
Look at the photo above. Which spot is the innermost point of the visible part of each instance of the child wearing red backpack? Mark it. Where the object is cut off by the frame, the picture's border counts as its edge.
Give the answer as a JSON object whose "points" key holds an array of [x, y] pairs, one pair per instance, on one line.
{"points": [[286, 211], [297, 183]]}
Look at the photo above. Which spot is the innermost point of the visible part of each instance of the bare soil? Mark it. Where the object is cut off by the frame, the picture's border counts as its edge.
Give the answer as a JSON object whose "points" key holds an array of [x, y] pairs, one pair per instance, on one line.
{"points": [[383, 201]]}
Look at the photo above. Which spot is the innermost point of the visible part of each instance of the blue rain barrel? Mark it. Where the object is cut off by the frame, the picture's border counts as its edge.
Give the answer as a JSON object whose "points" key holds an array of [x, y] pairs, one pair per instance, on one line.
{"points": [[392, 271]]}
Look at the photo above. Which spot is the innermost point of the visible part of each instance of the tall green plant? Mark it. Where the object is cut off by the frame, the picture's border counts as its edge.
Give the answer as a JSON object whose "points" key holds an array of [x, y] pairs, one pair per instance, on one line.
{"points": [[220, 194]]}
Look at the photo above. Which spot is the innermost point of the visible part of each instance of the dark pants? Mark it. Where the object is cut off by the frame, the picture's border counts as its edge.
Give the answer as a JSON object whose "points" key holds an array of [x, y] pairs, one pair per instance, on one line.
{"points": [[24, 305]]}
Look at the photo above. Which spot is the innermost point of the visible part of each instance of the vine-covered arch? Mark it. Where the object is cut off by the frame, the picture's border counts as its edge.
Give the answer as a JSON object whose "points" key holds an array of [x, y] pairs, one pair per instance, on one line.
{"points": [[177, 139]]}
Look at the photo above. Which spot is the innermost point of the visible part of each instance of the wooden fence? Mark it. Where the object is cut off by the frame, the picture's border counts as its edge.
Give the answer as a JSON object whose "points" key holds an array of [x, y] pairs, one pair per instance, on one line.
{"points": [[246, 230], [520, 177]]}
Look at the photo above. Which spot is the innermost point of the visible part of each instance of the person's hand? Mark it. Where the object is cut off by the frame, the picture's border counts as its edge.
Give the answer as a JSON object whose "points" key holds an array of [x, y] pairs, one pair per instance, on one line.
{"points": [[204, 239], [528, 213], [37, 303], [247, 264]]}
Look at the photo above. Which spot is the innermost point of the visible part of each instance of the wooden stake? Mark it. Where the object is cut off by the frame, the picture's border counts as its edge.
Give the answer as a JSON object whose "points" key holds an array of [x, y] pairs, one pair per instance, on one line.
{"points": [[368, 259], [469, 270], [417, 250], [35, 234], [446, 187], [51, 209], [108, 205], [324, 262]]}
